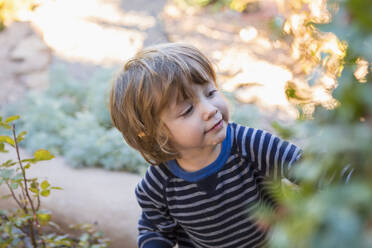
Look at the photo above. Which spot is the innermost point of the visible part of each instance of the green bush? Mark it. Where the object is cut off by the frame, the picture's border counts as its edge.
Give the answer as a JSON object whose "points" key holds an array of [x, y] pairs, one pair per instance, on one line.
{"points": [[28, 225], [238, 5], [72, 119], [326, 211]]}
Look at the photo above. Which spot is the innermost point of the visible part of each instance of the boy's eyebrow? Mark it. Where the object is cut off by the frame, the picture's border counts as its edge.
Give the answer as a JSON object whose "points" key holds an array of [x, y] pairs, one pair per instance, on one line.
{"points": [[180, 106]]}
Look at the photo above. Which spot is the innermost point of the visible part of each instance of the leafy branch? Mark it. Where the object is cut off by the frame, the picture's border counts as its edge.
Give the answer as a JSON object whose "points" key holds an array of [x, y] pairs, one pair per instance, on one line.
{"points": [[23, 226]]}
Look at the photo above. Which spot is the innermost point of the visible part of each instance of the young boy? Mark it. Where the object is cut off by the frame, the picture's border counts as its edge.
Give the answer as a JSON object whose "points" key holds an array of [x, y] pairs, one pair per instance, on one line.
{"points": [[207, 174]]}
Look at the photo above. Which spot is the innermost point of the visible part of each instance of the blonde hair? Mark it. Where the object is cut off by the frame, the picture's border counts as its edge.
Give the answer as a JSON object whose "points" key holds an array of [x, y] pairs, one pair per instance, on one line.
{"points": [[143, 89]]}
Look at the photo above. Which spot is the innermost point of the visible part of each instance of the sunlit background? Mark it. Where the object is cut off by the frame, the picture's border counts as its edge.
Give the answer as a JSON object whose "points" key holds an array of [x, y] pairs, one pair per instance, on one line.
{"points": [[94, 33], [57, 58]]}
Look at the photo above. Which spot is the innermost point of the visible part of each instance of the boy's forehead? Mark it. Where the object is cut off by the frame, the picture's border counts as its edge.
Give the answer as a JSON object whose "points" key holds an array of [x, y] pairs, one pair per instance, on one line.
{"points": [[179, 97], [175, 102], [170, 110]]}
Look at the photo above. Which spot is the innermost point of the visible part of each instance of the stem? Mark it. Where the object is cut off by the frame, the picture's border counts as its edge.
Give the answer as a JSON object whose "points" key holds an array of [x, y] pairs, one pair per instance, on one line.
{"points": [[31, 226], [38, 203], [27, 193], [15, 197], [23, 193]]}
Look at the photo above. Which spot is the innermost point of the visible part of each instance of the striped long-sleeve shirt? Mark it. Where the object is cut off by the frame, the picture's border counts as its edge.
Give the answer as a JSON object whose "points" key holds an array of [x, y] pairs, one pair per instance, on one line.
{"points": [[213, 207]]}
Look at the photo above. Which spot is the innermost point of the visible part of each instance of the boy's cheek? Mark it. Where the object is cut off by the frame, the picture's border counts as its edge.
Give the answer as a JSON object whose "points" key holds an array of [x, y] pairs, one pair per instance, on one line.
{"points": [[225, 113]]}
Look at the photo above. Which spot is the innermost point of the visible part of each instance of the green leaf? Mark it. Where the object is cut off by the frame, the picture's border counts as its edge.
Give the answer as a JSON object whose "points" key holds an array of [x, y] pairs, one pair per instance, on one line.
{"points": [[84, 237], [6, 173], [7, 139], [30, 160], [6, 126], [4, 197], [282, 131], [34, 187], [2, 147], [18, 177], [59, 188], [45, 192], [27, 166], [11, 118], [21, 136], [45, 184], [8, 163], [61, 237], [14, 185], [4, 212], [42, 154], [34, 190], [44, 217]]}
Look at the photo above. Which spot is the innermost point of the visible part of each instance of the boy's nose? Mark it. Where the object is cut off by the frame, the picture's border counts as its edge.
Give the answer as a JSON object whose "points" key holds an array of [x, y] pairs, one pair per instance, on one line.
{"points": [[209, 110]]}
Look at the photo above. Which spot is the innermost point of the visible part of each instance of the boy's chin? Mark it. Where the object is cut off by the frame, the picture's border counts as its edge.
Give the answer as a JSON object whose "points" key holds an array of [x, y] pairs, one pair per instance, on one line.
{"points": [[221, 137]]}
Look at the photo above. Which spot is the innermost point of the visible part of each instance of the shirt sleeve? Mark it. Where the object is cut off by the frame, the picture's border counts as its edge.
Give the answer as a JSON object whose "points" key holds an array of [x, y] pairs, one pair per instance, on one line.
{"points": [[156, 228], [272, 156]]}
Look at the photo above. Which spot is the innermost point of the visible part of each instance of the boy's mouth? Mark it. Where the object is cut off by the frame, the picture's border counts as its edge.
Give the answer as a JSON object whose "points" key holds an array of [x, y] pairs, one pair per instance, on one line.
{"points": [[217, 126]]}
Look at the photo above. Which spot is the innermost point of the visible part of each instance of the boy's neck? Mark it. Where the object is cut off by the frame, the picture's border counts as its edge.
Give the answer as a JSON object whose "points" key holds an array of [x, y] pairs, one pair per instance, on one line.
{"points": [[192, 161]]}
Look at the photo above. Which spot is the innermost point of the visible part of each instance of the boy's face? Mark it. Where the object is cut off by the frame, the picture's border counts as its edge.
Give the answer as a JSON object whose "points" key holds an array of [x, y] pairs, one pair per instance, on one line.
{"points": [[199, 122]]}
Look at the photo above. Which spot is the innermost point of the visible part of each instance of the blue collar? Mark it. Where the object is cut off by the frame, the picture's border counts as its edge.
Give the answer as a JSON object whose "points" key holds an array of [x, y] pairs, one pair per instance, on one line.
{"points": [[209, 169]]}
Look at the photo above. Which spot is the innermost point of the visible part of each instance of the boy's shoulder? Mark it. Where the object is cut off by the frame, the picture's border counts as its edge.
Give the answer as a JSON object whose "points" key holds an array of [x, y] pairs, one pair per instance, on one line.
{"points": [[235, 128], [240, 131], [158, 174]]}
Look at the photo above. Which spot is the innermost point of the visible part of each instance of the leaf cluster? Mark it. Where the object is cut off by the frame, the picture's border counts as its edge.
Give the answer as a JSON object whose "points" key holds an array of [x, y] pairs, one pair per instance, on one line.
{"points": [[72, 119], [333, 206], [237, 5], [25, 225]]}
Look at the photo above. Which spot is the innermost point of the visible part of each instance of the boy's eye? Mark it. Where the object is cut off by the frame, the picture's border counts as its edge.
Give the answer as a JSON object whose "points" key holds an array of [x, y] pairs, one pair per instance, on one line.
{"points": [[188, 111], [212, 92]]}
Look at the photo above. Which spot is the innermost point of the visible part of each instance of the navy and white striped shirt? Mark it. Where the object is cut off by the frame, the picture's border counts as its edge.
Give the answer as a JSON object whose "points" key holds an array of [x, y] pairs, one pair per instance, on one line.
{"points": [[213, 207]]}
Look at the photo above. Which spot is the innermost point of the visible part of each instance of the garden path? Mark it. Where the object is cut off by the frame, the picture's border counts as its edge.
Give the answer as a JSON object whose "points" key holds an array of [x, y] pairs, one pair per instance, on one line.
{"points": [[88, 196]]}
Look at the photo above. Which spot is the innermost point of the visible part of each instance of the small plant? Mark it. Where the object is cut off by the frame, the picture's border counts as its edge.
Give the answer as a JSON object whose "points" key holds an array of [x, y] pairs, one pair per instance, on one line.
{"points": [[71, 119], [28, 225]]}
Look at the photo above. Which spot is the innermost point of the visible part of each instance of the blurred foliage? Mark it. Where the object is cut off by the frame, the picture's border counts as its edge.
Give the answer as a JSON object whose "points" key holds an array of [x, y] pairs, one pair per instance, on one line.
{"points": [[71, 119], [238, 5], [245, 114], [326, 211], [10, 10], [28, 225]]}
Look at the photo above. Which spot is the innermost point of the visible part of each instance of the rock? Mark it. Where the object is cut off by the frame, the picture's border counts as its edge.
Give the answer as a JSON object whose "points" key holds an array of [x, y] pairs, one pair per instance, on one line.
{"points": [[22, 52], [36, 80], [15, 32], [10, 91], [88, 196], [32, 55]]}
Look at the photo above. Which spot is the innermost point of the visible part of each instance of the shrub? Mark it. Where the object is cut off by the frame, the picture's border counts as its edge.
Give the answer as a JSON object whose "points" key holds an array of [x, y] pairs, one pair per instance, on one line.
{"points": [[28, 225], [327, 212], [71, 119]]}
